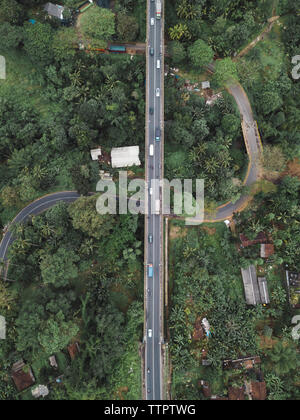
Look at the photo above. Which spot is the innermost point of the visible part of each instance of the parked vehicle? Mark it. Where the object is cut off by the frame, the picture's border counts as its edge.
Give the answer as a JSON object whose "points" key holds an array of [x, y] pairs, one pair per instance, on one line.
{"points": [[150, 238], [149, 333], [151, 150], [158, 64], [151, 51], [151, 110], [157, 92], [152, 21]]}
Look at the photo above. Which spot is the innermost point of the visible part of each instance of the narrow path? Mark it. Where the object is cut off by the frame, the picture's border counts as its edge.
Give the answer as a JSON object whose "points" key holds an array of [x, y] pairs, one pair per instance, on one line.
{"points": [[259, 38]]}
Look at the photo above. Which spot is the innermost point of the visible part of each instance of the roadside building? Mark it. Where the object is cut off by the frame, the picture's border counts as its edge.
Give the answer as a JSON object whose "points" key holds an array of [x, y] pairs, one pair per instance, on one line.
{"points": [[22, 375], [54, 10], [122, 157]]}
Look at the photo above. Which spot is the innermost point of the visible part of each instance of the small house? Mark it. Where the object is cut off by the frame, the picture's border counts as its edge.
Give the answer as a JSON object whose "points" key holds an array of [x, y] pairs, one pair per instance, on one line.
{"points": [[256, 289], [266, 250], [22, 375], [260, 239], [96, 153], [53, 362], [54, 10], [73, 350]]}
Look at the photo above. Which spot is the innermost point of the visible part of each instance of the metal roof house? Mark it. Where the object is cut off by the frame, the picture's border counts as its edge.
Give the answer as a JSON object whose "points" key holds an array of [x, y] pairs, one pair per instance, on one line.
{"points": [[54, 10], [22, 375], [256, 289], [122, 157]]}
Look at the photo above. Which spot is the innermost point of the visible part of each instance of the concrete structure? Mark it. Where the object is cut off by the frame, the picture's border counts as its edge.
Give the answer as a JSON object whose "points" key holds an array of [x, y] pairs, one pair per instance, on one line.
{"points": [[122, 157]]}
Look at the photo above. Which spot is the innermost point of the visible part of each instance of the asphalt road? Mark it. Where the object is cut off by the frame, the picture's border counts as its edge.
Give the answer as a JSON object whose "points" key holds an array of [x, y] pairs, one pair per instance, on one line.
{"points": [[254, 150], [153, 250], [37, 207]]}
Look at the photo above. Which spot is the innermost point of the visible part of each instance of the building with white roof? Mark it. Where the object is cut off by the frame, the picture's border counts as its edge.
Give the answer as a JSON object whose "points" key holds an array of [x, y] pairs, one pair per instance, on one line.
{"points": [[122, 157]]}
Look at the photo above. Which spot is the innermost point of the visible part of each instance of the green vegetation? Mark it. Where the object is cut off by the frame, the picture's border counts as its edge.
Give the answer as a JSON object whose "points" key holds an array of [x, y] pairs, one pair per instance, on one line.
{"points": [[64, 278]]}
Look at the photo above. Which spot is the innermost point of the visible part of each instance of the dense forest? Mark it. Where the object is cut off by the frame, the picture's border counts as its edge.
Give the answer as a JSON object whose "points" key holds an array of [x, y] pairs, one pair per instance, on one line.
{"points": [[77, 277]]}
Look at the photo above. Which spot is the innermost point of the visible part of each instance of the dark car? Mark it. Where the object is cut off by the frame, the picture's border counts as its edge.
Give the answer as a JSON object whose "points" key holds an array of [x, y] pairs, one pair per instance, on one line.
{"points": [[151, 51], [157, 134], [151, 110]]}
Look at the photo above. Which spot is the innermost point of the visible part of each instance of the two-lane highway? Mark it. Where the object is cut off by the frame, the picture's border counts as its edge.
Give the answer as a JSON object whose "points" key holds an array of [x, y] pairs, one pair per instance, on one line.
{"points": [[153, 221]]}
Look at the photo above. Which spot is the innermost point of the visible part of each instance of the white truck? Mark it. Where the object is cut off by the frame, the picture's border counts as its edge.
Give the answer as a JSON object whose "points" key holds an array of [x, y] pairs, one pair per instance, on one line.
{"points": [[158, 9]]}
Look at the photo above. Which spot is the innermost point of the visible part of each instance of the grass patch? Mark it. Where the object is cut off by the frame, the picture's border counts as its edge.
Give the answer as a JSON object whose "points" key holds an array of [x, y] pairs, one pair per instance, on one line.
{"points": [[24, 80]]}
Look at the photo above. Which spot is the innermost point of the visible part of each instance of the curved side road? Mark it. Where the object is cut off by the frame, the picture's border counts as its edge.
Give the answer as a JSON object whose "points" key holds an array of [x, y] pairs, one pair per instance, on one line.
{"points": [[39, 206], [254, 150]]}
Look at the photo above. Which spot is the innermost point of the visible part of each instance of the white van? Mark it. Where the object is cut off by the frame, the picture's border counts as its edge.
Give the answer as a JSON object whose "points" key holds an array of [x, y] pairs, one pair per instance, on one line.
{"points": [[149, 333], [158, 64], [151, 150]]}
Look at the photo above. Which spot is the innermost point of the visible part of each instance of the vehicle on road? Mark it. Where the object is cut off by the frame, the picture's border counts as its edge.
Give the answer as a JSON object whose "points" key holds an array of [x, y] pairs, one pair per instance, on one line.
{"points": [[152, 21], [158, 9], [150, 270], [151, 191], [157, 134], [152, 51], [151, 150], [157, 206], [151, 111], [150, 238], [148, 370], [149, 292], [158, 64], [150, 333], [157, 92]]}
